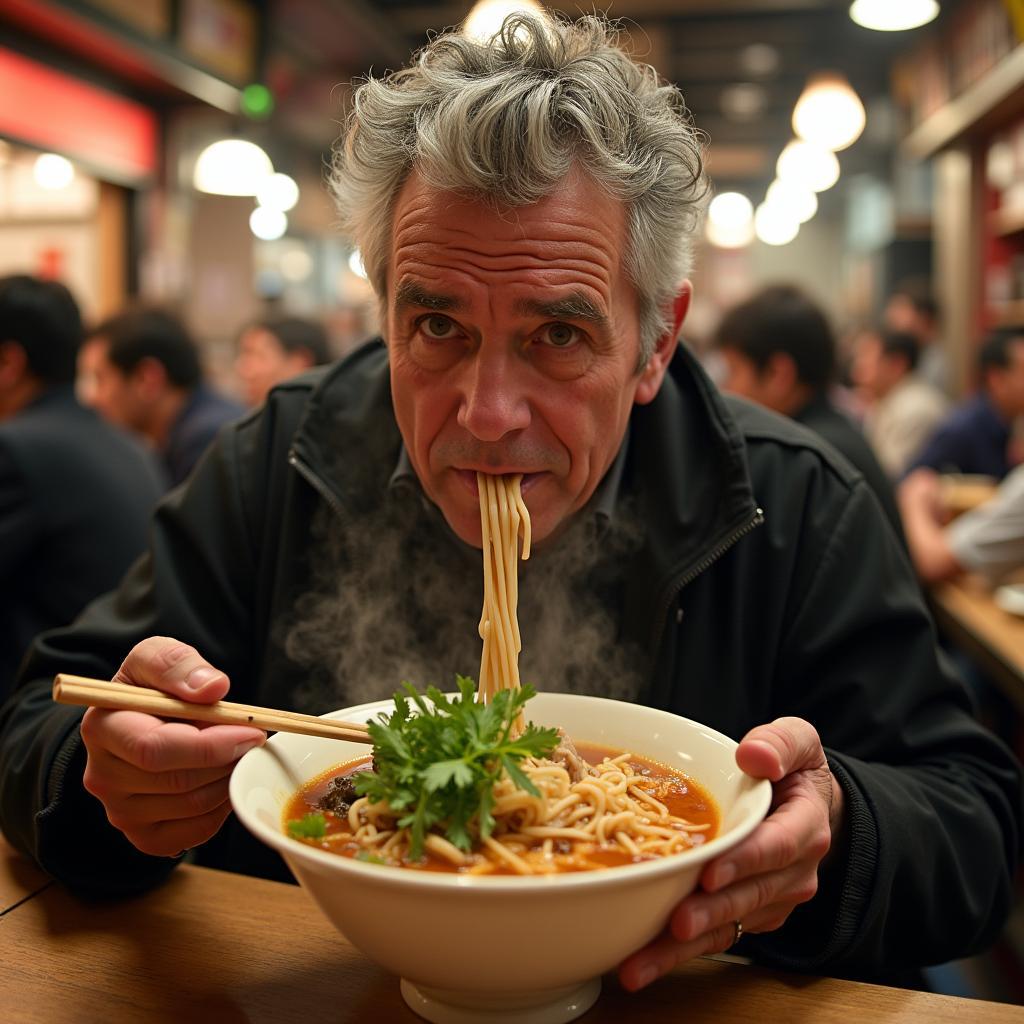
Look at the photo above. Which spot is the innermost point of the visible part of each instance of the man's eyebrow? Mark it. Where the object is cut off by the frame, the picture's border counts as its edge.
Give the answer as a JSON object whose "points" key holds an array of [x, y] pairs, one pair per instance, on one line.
{"points": [[572, 307], [411, 294]]}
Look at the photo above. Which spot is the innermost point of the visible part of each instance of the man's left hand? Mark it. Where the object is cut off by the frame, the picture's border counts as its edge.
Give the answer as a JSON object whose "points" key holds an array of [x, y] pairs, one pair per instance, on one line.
{"points": [[760, 881]]}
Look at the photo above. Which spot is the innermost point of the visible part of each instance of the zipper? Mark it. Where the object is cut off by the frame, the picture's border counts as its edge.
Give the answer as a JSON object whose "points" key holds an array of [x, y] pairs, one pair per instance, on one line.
{"points": [[704, 564], [315, 482]]}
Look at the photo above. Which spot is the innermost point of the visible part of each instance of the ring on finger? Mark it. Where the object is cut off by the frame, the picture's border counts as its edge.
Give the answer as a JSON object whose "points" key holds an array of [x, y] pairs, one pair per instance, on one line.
{"points": [[738, 932]]}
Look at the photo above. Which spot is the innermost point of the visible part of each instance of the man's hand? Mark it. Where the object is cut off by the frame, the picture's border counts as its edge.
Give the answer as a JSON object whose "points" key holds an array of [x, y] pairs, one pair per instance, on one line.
{"points": [[164, 784], [760, 881]]}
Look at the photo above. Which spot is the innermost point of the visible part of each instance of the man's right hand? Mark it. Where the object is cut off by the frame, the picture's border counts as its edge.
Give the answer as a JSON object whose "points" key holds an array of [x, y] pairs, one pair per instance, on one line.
{"points": [[164, 784]]}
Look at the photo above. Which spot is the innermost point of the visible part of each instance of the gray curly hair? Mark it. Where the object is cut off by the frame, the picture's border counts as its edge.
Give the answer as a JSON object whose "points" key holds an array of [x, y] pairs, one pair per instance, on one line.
{"points": [[506, 120]]}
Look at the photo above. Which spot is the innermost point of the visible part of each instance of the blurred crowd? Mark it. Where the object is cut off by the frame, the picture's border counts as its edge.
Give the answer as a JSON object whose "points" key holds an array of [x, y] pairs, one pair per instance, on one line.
{"points": [[97, 422]]}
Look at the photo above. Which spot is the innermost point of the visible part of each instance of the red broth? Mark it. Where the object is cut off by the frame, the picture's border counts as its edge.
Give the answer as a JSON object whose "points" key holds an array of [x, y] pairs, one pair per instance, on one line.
{"points": [[682, 796]]}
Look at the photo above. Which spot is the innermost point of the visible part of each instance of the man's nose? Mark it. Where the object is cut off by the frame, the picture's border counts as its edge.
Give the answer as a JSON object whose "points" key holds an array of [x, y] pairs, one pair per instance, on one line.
{"points": [[493, 401]]}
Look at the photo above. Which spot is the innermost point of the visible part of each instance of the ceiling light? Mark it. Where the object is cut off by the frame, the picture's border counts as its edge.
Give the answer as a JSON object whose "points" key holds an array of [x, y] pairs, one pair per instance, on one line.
{"points": [[799, 200], [829, 113], [893, 15], [759, 59], [278, 191], [811, 166], [487, 17], [355, 264], [267, 223], [743, 101], [774, 225], [231, 167], [730, 223], [52, 171]]}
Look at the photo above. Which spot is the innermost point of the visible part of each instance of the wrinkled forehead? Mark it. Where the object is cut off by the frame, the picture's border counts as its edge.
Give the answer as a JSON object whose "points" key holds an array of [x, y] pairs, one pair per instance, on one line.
{"points": [[574, 209], [574, 235]]}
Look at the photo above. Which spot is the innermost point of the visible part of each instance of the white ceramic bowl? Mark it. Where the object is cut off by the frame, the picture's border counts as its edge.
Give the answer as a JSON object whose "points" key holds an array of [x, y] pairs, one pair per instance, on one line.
{"points": [[510, 949]]}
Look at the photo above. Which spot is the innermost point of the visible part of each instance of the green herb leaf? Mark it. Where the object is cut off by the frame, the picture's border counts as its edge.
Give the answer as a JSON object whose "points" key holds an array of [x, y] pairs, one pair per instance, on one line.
{"points": [[369, 858], [437, 760], [310, 826], [443, 772]]}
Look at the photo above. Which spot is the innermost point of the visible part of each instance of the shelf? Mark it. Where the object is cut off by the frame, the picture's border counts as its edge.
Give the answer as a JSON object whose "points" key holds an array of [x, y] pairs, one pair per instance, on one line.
{"points": [[1007, 222], [1008, 314], [994, 97]]}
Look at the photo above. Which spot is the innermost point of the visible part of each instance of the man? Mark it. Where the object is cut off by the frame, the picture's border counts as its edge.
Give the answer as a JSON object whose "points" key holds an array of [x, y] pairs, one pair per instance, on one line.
{"points": [[903, 409], [142, 373], [988, 539], [75, 495], [275, 350], [780, 352], [975, 437], [727, 564], [912, 309]]}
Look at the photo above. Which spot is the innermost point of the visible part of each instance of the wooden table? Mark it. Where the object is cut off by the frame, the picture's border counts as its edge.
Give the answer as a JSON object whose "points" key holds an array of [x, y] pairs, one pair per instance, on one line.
{"points": [[210, 946], [967, 613]]}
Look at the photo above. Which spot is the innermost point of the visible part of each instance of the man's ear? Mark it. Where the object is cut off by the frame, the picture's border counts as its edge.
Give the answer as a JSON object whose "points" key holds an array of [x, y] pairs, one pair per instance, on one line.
{"points": [[653, 373], [780, 374]]}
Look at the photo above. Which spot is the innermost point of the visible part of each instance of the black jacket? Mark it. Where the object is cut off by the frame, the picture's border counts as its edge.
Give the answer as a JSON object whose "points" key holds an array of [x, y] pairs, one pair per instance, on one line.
{"points": [[821, 416], [75, 501], [808, 608]]}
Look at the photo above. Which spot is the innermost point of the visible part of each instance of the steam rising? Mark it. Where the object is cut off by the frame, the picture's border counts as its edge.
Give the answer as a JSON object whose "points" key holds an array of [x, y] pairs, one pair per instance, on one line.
{"points": [[396, 597]]}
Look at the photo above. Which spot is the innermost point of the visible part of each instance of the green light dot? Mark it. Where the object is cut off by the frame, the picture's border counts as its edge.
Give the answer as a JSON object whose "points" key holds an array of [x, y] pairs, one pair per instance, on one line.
{"points": [[257, 101]]}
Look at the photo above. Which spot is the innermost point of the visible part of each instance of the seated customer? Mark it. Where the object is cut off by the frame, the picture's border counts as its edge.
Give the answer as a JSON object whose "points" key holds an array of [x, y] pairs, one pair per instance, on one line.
{"points": [[143, 374], [271, 351], [912, 309], [988, 540], [779, 351], [902, 408], [975, 437], [75, 494], [527, 209]]}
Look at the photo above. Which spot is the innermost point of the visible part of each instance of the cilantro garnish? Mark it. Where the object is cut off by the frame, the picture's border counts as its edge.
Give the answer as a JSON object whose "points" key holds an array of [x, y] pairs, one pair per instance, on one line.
{"points": [[439, 767], [309, 826]]}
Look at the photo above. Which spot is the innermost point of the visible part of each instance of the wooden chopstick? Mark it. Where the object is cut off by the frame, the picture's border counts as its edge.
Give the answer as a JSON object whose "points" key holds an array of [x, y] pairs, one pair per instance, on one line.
{"points": [[98, 693]]}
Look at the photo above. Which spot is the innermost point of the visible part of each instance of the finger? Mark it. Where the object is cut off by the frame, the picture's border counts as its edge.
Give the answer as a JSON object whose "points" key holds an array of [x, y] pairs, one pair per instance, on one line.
{"points": [[170, 838], [703, 912], [121, 777], [775, 750], [154, 745], [665, 953], [143, 810], [174, 667], [797, 829]]}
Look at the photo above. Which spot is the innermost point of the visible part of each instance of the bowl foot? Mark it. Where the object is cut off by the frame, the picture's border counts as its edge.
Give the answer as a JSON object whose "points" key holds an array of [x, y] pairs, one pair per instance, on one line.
{"points": [[554, 1006]]}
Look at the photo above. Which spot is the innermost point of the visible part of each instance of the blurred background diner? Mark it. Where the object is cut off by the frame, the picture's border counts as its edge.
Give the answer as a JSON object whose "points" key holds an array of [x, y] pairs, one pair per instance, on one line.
{"points": [[162, 167]]}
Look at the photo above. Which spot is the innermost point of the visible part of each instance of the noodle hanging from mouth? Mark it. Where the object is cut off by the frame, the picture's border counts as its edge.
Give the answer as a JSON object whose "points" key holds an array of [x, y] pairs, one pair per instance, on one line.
{"points": [[503, 516]]}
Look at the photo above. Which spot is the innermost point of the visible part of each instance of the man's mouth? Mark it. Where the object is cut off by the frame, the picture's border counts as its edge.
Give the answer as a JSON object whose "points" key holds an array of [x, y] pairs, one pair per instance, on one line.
{"points": [[468, 479]]}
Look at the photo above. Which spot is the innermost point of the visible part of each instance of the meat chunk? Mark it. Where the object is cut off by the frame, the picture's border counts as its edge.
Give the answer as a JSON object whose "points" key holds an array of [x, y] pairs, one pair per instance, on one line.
{"points": [[341, 794], [569, 758]]}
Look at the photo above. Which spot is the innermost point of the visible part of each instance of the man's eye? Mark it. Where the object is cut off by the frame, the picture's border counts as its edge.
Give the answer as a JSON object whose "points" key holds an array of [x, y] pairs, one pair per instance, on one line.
{"points": [[559, 335], [437, 326]]}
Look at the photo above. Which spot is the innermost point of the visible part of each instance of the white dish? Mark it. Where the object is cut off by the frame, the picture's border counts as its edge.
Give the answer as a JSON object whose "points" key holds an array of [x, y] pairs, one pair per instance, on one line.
{"points": [[509, 949]]}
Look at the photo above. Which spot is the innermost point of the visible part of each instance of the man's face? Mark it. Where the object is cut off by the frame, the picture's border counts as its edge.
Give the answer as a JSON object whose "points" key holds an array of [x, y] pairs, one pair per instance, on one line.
{"points": [[866, 370], [1007, 384], [105, 388], [513, 340], [262, 362]]}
